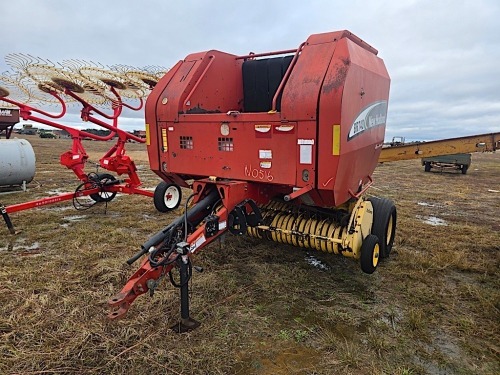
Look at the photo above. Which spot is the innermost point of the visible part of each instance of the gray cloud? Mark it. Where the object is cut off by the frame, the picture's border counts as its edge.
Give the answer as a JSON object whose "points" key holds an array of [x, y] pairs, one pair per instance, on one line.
{"points": [[442, 55]]}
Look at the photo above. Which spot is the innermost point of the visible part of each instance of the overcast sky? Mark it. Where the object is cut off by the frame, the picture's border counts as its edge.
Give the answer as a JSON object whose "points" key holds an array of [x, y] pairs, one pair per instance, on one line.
{"points": [[443, 56]]}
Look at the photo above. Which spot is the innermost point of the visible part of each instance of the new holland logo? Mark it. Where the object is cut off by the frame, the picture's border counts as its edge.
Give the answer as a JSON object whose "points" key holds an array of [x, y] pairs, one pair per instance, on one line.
{"points": [[370, 117]]}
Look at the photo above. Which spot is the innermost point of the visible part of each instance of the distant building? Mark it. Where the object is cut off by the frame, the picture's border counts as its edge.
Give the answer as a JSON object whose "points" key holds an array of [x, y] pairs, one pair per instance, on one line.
{"points": [[140, 133]]}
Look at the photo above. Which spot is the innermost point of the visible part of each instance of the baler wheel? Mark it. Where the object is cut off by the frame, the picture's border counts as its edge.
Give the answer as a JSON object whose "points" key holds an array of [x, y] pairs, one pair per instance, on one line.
{"points": [[167, 196], [427, 166], [104, 196], [384, 223], [370, 253], [464, 169]]}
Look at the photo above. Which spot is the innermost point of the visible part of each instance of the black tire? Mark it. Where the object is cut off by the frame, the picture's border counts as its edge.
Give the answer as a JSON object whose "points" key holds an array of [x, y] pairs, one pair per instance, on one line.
{"points": [[464, 169], [370, 254], [384, 223], [104, 196], [427, 166], [167, 196]]}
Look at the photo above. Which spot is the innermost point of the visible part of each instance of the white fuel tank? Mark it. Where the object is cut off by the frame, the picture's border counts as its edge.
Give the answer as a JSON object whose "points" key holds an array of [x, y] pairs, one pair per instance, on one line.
{"points": [[17, 162]]}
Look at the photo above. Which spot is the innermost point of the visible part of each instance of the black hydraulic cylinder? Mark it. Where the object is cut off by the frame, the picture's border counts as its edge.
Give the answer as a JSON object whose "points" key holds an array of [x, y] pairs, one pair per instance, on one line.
{"points": [[194, 216]]}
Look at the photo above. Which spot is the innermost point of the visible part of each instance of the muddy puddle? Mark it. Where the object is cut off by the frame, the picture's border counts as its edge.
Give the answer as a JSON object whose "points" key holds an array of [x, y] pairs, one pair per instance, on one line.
{"points": [[432, 220], [58, 209], [72, 219], [56, 192], [21, 248], [315, 262], [293, 359]]}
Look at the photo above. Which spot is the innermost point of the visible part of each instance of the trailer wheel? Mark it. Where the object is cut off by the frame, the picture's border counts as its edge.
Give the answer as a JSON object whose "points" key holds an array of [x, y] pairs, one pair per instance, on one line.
{"points": [[104, 196], [167, 196], [464, 169], [370, 253], [384, 223], [427, 166]]}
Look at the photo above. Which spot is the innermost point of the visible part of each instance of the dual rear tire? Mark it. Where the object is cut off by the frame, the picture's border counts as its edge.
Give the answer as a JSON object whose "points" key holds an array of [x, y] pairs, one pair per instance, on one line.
{"points": [[378, 244]]}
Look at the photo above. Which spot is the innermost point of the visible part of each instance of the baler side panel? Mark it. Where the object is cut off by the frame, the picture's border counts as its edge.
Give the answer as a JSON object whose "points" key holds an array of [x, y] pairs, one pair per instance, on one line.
{"points": [[153, 146], [330, 106], [300, 101], [220, 88], [170, 94], [301, 92], [364, 112], [175, 92]]}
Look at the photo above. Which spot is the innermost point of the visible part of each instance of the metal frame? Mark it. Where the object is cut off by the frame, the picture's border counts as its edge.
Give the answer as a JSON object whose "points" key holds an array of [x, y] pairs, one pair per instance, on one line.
{"points": [[114, 159]]}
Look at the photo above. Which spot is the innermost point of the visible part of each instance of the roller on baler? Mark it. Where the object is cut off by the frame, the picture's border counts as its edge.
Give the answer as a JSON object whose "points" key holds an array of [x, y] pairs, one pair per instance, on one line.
{"points": [[280, 148]]}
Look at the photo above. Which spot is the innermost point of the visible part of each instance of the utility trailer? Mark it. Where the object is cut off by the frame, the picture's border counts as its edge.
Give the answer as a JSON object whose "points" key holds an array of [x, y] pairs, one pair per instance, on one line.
{"points": [[458, 162], [280, 146]]}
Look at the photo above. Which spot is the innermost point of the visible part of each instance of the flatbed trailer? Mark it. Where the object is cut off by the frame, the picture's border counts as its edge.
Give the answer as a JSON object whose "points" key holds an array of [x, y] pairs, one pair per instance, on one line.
{"points": [[458, 162]]}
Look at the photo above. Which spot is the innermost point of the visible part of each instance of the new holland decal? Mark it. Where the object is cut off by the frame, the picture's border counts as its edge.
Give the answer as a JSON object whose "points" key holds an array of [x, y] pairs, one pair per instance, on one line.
{"points": [[370, 117]]}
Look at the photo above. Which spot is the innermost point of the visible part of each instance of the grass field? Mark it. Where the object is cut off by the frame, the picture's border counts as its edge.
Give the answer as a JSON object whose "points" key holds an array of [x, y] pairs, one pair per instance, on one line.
{"points": [[431, 308]]}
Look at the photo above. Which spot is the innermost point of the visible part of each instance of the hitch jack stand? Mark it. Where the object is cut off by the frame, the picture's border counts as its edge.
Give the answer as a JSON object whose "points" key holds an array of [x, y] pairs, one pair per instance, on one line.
{"points": [[6, 217], [187, 323]]}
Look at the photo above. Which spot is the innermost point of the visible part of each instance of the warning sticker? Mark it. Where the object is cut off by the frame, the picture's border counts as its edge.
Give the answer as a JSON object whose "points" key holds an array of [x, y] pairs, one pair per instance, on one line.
{"points": [[199, 241], [265, 154], [305, 154]]}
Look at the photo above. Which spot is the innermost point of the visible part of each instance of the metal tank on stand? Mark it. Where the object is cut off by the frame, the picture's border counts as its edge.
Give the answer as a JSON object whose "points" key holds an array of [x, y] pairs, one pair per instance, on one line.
{"points": [[17, 162]]}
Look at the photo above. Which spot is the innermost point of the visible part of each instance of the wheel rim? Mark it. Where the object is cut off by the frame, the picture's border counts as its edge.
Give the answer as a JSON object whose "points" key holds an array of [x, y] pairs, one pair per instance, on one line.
{"points": [[105, 194], [388, 233], [171, 197], [376, 252]]}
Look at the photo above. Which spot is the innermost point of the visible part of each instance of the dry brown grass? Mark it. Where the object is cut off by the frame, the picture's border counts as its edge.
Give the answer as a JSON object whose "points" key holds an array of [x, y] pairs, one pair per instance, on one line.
{"points": [[432, 308]]}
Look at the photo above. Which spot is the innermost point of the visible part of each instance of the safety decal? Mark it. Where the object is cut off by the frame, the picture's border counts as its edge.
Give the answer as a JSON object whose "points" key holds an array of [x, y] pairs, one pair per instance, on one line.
{"points": [[199, 241], [265, 154], [372, 116], [306, 154]]}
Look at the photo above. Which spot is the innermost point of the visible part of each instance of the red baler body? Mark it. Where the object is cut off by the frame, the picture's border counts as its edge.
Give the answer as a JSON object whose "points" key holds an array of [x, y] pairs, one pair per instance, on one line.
{"points": [[313, 124]]}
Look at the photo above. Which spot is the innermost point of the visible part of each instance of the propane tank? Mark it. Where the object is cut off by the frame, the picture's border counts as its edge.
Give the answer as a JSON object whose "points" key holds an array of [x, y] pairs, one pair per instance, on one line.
{"points": [[17, 162]]}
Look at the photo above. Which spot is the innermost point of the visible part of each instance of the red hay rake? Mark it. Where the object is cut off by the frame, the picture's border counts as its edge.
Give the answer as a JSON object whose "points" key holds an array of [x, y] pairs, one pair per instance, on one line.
{"points": [[102, 94]]}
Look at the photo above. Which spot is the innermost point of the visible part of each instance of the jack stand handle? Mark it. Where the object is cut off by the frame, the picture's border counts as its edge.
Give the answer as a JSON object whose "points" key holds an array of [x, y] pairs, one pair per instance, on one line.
{"points": [[6, 217]]}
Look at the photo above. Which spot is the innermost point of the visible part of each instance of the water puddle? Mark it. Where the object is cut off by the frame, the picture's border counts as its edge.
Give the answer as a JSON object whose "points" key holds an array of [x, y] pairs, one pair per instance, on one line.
{"points": [[72, 219], [315, 262], [56, 192], [59, 209], [432, 220], [425, 204], [22, 249]]}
